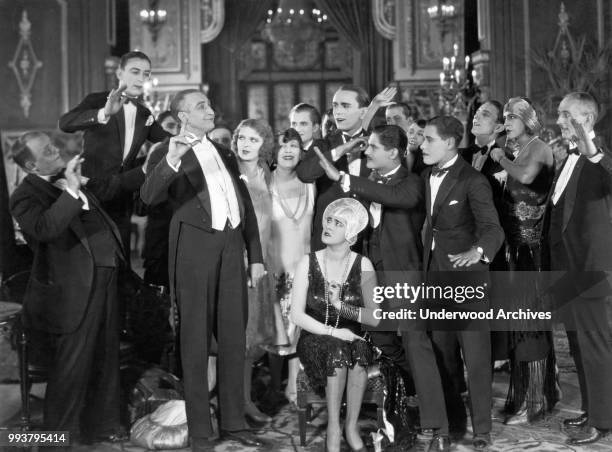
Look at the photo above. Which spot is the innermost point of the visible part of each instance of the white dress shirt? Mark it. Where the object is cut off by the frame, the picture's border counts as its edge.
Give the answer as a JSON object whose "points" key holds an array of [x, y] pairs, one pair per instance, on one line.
{"points": [[478, 159], [568, 170], [129, 114], [354, 164], [223, 198], [375, 207], [434, 183]]}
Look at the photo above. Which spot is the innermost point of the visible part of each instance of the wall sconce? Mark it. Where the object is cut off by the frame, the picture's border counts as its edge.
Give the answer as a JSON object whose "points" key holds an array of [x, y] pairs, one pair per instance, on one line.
{"points": [[154, 18], [443, 13]]}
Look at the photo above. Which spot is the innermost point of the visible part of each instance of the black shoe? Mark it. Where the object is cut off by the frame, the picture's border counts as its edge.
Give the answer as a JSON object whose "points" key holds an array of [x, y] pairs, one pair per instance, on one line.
{"points": [[244, 437], [576, 421], [439, 443], [202, 444], [591, 435], [481, 441]]}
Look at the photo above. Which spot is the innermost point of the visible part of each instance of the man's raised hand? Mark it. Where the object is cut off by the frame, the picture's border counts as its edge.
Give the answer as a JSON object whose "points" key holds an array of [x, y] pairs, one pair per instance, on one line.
{"points": [[115, 100], [73, 173], [177, 147], [331, 171]]}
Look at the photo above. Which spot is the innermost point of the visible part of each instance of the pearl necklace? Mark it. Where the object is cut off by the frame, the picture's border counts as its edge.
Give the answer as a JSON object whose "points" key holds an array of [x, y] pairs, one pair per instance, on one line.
{"points": [[327, 284]]}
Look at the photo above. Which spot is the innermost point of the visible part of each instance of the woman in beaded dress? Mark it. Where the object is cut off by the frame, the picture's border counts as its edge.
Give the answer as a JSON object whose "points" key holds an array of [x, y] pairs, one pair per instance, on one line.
{"points": [[332, 298], [532, 389], [291, 226], [253, 142]]}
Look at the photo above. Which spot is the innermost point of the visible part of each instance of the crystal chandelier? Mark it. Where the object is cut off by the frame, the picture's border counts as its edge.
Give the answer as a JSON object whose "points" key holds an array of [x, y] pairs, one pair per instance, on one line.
{"points": [[292, 20]]}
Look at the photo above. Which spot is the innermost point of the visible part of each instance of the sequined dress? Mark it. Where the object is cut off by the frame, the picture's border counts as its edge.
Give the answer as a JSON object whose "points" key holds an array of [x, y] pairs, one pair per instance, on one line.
{"points": [[532, 359], [322, 354]]}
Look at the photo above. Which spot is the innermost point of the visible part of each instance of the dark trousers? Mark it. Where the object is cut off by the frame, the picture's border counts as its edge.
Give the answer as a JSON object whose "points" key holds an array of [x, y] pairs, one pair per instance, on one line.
{"points": [[212, 299], [590, 342], [476, 350], [421, 357], [83, 385]]}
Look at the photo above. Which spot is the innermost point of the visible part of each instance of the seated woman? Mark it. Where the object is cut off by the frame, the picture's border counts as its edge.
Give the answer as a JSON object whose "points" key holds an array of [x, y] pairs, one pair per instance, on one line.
{"points": [[332, 297]]}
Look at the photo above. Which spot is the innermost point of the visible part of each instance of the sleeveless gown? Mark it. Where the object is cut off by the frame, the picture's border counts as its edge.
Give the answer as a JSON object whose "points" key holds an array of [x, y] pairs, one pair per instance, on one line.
{"points": [[322, 354]]}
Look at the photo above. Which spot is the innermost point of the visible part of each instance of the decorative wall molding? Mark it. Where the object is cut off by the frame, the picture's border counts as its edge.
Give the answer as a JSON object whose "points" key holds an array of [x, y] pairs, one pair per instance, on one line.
{"points": [[212, 18], [64, 46], [384, 17], [25, 64], [176, 56]]}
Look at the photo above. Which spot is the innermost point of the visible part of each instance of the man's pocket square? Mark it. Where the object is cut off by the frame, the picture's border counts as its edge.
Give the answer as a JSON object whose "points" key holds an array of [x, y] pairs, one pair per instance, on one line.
{"points": [[453, 202]]}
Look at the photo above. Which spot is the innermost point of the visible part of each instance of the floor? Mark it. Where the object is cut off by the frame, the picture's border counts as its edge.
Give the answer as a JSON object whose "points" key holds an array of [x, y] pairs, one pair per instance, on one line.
{"points": [[282, 433]]}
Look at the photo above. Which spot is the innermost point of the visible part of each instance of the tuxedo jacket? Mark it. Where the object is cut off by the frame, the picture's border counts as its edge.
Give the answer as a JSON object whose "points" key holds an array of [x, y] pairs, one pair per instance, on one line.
{"points": [[402, 214], [103, 143], [489, 168], [309, 170], [188, 196], [463, 216], [584, 243], [61, 279]]}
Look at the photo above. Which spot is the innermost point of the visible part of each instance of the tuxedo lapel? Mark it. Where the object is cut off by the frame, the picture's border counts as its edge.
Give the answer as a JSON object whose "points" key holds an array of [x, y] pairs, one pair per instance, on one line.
{"points": [[142, 114], [192, 169], [227, 158], [571, 190], [450, 180], [111, 224], [51, 193], [120, 123]]}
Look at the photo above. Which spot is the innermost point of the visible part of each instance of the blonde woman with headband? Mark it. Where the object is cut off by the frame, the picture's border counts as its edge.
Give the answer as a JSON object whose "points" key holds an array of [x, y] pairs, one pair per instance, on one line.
{"points": [[532, 389], [332, 298]]}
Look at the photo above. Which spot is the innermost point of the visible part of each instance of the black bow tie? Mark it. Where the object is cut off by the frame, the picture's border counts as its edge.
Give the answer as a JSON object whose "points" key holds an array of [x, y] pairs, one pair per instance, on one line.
{"points": [[131, 100], [61, 175], [482, 149], [574, 151], [435, 171], [348, 137], [377, 177]]}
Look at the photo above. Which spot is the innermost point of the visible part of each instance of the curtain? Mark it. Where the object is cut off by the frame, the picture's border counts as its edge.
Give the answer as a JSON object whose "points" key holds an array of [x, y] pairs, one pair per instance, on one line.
{"points": [[353, 20], [242, 18]]}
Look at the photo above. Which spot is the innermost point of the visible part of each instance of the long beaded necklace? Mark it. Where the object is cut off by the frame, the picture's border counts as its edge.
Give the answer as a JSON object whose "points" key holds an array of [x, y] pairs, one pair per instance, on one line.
{"points": [[327, 284]]}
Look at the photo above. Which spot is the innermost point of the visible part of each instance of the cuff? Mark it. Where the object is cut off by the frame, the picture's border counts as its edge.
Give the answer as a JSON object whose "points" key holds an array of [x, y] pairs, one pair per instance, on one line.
{"points": [[334, 154], [345, 182], [596, 158], [174, 168], [102, 119]]}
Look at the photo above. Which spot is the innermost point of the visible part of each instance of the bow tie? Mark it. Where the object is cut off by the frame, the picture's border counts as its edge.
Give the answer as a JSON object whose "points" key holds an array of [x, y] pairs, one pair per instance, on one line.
{"points": [[482, 149], [574, 151], [435, 171], [61, 175], [348, 137], [131, 100], [377, 177]]}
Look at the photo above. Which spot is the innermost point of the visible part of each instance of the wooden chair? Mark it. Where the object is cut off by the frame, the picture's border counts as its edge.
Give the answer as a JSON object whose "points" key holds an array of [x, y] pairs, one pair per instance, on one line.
{"points": [[306, 397]]}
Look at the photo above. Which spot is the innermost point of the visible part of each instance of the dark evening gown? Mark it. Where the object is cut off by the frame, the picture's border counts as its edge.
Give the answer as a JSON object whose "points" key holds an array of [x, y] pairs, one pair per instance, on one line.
{"points": [[531, 353], [320, 354]]}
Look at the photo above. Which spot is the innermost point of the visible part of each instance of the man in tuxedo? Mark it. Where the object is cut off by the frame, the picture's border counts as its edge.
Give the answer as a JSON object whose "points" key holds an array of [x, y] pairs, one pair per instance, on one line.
{"points": [[115, 126], [396, 198], [462, 232], [487, 125], [344, 148], [72, 292], [213, 222], [306, 120], [578, 235]]}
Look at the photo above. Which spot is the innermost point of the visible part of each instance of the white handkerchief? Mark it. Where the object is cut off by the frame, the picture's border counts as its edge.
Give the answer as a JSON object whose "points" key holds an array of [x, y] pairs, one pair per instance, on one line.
{"points": [[453, 202], [150, 120]]}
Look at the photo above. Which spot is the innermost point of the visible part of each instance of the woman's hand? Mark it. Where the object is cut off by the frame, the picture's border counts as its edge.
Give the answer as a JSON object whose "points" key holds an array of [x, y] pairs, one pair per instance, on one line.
{"points": [[334, 295], [346, 335]]}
